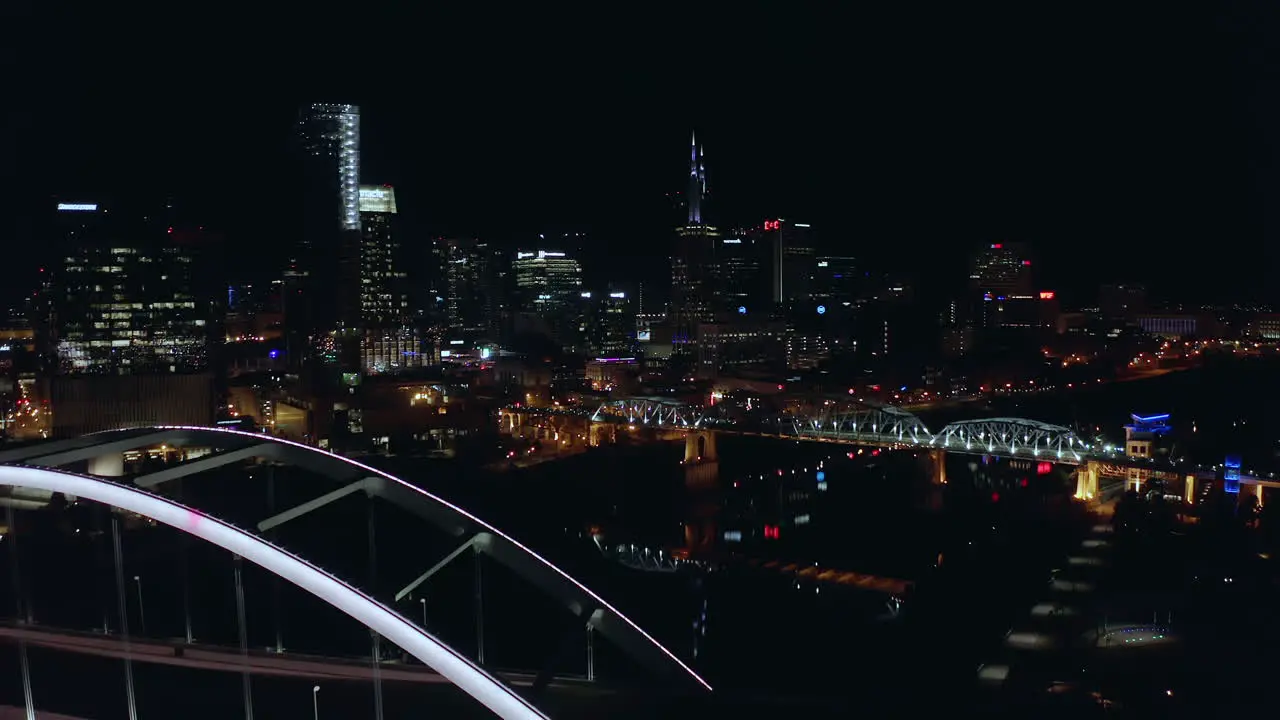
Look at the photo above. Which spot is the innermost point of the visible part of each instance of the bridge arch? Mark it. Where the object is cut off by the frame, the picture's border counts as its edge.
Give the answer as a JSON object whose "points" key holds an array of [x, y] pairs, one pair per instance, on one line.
{"points": [[1011, 436], [650, 411], [238, 445], [472, 679], [841, 417]]}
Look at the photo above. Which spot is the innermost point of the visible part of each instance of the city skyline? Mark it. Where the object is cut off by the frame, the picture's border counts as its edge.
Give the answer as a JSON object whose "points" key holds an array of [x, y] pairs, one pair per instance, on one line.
{"points": [[1073, 156]]}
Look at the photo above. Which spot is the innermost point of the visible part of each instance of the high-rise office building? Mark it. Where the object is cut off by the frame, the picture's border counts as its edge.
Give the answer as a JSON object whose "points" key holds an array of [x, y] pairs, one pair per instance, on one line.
{"points": [[693, 266], [549, 288], [389, 339], [132, 322], [332, 133], [793, 260], [384, 291], [742, 275], [609, 324], [1002, 268], [835, 281], [470, 283], [326, 253]]}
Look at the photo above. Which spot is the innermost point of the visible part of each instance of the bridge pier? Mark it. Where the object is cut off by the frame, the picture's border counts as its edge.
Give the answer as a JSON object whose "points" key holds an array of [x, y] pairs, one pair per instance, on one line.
{"points": [[600, 433], [701, 461], [1189, 495], [1087, 481]]}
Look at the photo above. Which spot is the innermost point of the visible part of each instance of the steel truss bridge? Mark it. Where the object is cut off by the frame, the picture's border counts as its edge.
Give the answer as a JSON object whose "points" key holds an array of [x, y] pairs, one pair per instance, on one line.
{"points": [[840, 419], [33, 476]]}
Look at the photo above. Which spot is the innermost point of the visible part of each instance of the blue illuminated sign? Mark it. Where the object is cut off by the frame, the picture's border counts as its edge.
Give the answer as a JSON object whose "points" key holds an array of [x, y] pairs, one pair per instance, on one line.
{"points": [[1231, 474], [742, 309], [822, 309], [822, 475], [274, 354]]}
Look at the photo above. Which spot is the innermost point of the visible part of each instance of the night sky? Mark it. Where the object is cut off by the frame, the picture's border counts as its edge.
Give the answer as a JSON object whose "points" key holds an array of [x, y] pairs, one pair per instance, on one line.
{"points": [[1121, 143]]}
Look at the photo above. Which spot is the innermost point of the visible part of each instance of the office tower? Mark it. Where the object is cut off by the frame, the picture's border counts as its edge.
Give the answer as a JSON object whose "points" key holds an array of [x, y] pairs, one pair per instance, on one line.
{"points": [[389, 340], [470, 283], [549, 290], [328, 148], [835, 281], [793, 260], [609, 324], [131, 322], [742, 275], [331, 134], [693, 266], [1002, 269]]}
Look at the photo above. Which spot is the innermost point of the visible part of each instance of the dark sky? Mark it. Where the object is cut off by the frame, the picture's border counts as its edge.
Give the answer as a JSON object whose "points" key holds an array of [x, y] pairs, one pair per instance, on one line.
{"points": [[1133, 143]]}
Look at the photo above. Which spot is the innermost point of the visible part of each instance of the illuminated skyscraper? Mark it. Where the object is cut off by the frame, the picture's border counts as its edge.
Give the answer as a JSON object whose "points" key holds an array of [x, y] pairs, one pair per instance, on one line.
{"points": [[470, 286], [131, 322], [389, 340], [1002, 268], [328, 144], [697, 180], [693, 265], [333, 132], [549, 288]]}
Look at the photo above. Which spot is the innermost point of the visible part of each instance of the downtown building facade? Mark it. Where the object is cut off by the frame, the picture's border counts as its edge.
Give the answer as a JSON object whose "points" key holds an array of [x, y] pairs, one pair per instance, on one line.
{"points": [[318, 294], [130, 322], [347, 301], [390, 340], [548, 285]]}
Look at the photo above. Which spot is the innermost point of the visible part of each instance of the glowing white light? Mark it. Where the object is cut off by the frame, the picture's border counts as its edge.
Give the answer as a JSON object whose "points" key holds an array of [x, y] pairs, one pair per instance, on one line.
{"points": [[259, 437], [473, 680], [77, 207]]}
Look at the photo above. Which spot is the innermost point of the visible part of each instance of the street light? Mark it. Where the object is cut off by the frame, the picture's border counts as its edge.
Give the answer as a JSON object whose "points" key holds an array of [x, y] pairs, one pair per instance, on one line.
{"points": [[315, 702], [424, 612], [142, 612]]}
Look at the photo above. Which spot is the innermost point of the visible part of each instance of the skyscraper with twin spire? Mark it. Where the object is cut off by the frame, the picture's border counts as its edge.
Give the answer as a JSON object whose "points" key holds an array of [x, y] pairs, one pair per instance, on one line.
{"points": [[697, 181], [693, 262]]}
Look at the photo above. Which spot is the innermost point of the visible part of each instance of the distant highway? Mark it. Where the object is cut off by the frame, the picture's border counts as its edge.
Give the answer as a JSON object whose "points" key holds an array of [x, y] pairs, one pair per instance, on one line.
{"points": [[256, 662]]}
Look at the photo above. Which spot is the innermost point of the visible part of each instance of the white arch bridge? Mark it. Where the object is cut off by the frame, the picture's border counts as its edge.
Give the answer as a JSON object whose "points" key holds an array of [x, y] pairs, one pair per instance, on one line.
{"points": [[35, 473], [841, 419]]}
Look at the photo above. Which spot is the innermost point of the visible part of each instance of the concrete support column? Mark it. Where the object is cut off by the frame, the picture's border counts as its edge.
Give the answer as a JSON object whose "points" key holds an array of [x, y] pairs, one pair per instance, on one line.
{"points": [[1087, 481], [700, 446], [701, 461], [1258, 490], [109, 465], [1189, 496]]}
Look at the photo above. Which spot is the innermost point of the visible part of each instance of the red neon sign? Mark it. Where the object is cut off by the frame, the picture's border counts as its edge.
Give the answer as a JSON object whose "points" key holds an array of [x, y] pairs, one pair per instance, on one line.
{"points": [[772, 225], [1046, 294], [997, 246]]}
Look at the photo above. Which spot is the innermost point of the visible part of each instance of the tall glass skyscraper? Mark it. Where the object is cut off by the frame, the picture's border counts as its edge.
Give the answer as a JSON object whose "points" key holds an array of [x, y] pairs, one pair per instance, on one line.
{"points": [[389, 341], [332, 132], [328, 145]]}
